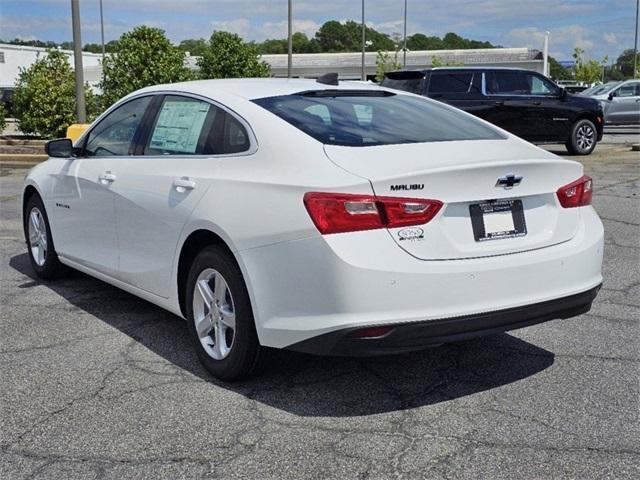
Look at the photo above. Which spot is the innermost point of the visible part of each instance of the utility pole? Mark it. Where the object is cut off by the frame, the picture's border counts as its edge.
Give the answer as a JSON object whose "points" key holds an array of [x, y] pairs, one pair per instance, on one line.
{"points": [[81, 112], [635, 44], [363, 75], [102, 39], [545, 54], [404, 47], [290, 42]]}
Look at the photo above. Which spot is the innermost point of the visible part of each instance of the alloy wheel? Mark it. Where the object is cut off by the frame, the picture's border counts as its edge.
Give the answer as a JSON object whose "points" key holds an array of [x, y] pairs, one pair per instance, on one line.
{"points": [[214, 314], [585, 137], [37, 237]]}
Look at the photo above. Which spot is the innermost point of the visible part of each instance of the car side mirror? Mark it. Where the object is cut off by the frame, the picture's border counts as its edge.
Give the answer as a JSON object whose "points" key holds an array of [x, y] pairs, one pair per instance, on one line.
{"points": [[610, 97], [563, 93], [59, 148]]}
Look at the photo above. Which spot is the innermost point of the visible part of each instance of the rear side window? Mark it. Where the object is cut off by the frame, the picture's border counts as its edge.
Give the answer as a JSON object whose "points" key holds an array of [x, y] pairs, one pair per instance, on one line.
{"points": [[365, 118], [189, 126], [507, 83], [411, 85], [455, 82], [114, 135]]}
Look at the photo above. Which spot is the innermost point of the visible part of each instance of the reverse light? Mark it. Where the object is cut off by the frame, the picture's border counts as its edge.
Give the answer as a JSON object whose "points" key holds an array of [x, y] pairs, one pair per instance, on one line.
{"points": [[343, 212], [576, 194]]}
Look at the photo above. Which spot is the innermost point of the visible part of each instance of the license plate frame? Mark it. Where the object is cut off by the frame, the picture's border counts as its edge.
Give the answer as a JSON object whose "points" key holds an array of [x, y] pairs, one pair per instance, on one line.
{"points": [[481, 217]]}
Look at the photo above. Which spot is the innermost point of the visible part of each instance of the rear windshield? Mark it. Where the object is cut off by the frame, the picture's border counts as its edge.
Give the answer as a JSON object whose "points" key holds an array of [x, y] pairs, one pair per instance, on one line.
{"points": [[342, 117]]}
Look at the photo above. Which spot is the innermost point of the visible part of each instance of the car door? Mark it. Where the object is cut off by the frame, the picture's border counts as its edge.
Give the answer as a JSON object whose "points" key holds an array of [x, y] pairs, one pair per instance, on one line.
{"points": [[507, 103], [82, 194], [158, 188], [624, 105], [548, 113], [460, 88]]}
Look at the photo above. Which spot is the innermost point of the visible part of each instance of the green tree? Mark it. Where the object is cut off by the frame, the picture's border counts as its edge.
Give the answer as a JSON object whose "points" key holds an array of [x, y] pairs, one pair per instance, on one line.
{"points": [[141, 57], [386, 63], [272, 46], [438, 62], [588, 71], [195, 46], [334, 36], [557, 71], [227, 56], [419, 41], [44, 98], [624, 63]]}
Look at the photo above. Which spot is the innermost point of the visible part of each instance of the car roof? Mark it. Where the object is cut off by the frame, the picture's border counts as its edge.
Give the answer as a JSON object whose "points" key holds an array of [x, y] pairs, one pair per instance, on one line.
{"points": [[252, 88]]}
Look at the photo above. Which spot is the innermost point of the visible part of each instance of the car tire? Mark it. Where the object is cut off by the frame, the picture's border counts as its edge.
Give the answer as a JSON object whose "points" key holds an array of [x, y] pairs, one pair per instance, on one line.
{"points": [[583, 138], [220, 317], [42, 254]]}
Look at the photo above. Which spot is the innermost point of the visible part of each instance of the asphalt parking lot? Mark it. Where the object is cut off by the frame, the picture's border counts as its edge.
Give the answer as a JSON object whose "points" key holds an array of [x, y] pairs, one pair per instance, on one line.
{"points": [[96, 383]]}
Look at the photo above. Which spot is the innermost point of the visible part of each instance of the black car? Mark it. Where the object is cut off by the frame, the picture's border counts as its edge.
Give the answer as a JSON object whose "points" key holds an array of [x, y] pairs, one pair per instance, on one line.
{"points": [[522, 102]]}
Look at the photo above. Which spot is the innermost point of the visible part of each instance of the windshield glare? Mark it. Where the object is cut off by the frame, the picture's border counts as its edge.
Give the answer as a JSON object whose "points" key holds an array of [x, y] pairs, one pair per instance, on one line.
{"points": [[375, 118]]}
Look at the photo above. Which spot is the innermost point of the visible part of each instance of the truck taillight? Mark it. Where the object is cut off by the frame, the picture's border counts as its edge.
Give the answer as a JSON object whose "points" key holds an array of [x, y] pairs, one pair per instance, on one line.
{"points": [[343, 212], [576, 194]]}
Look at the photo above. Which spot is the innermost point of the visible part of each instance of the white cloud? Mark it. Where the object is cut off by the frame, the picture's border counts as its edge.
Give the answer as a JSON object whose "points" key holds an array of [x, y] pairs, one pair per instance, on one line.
{"points": [[610, 38], [562, 40], [249, 31]]}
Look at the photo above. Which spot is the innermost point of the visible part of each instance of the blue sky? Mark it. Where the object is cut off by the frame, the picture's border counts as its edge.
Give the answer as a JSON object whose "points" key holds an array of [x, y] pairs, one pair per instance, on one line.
{"points": [[601, 27]]}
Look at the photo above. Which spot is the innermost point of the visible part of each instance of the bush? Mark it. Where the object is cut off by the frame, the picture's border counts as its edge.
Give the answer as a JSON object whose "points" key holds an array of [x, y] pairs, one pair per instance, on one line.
{"points": [[227, 56], [45, 97], [141, 57]]}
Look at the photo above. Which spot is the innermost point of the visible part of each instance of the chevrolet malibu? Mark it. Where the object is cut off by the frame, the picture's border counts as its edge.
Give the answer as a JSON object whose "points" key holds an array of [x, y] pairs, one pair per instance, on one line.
{"points": [[317, 216]]}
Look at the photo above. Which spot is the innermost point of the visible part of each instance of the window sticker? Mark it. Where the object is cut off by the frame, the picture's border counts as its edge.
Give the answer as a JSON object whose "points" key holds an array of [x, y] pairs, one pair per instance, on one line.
{"points": [[179, 125]]}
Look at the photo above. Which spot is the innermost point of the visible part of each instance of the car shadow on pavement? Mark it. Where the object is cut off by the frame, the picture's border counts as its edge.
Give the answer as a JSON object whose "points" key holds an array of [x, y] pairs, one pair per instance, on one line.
{"points": [[307, 385]]}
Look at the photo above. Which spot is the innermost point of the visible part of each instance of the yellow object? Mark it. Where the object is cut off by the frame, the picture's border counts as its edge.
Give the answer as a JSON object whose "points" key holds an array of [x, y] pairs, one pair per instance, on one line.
{"points": [[74, 131]]}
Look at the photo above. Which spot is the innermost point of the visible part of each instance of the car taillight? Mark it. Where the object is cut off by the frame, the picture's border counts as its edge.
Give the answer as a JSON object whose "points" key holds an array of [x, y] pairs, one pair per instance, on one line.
{"points": [[576, 194], [343, 212]]}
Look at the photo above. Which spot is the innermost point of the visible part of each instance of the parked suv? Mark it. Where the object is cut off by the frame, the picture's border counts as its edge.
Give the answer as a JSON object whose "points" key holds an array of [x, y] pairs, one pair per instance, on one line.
{"points": [[522, 102], [621, 103]]}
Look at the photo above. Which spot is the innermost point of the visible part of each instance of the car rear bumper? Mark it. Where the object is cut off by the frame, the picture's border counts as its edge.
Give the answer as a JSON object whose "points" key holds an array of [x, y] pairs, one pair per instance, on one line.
{"points": [[308, 288], [418, 335]]}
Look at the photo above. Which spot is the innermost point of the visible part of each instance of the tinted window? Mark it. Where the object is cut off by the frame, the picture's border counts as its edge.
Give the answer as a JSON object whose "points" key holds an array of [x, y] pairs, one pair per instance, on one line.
{"points": [[454, 82], [413, 85], [375, 118], [507, 83], [115, 133], [188, 126]]}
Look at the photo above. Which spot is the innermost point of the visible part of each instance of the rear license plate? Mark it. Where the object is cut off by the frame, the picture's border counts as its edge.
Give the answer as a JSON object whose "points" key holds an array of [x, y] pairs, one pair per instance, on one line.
{"points": [[497, 219]]}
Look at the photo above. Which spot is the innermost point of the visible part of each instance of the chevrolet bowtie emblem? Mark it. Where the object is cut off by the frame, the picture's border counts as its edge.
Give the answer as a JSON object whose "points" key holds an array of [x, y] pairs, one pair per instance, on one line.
{"points": [[509, 181]]}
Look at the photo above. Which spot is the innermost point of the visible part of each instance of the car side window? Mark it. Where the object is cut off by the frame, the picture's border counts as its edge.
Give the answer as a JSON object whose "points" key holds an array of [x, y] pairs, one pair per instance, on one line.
{"points": [[629, 90], [189, 126], [507, 83], [541, 86], [181, 127], [114, 134], [453, 82]]}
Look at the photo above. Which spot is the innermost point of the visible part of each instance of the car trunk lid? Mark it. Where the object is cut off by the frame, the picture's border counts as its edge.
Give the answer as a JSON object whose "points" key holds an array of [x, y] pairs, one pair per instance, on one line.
{"points": [[465, 176]]}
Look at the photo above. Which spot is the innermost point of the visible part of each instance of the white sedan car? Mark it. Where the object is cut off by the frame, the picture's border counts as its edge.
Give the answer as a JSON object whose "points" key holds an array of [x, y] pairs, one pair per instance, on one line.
{"points": [[341, 219]]}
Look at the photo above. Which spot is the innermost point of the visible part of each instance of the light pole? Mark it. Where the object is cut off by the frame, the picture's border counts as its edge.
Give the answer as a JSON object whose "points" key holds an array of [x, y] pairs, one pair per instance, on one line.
{"points": [[363, 75], [404, 47], [102, 38], [635, 43], [81, 112], [290, 41]]}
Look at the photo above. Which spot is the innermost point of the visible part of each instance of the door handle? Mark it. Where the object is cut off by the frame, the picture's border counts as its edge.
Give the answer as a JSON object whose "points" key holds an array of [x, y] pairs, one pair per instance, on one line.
{"points": [[183, 184], [537, 103], [499, 103], [107, 177]]}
